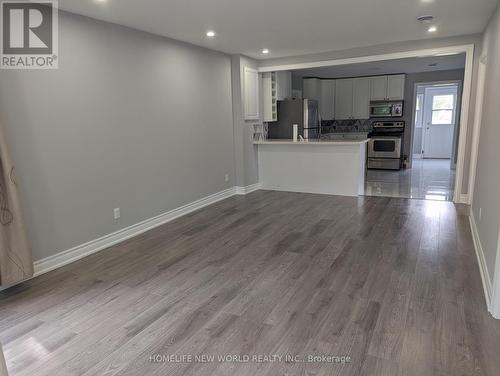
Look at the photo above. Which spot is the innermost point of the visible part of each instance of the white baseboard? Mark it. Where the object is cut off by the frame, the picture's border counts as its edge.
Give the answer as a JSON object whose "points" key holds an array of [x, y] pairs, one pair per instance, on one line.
{"points": [[76, 253], [248, 189], [483, 269], [495, 294]]}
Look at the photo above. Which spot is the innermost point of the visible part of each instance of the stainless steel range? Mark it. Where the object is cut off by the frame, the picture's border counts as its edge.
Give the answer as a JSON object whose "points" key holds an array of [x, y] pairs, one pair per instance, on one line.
{"points": [[385, 145]]}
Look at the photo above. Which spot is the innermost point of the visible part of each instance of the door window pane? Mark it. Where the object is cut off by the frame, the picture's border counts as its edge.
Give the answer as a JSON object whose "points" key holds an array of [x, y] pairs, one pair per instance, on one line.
{"points": [[442, 102], [442, 117]]}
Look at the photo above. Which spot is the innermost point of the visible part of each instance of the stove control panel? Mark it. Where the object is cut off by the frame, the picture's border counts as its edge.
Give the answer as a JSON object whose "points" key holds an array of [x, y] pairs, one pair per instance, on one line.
{"points": [[389, 124]]}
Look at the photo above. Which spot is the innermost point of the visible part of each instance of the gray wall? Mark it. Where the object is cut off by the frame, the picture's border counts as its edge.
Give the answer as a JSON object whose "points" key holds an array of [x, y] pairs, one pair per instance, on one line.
{"points": [[415, 78], [129, 120], [398, 47], [487, 184]]}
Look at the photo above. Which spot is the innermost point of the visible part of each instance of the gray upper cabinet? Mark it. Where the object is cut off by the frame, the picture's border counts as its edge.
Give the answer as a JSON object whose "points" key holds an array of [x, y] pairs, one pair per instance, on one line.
{"points": [[311, 89], [378, 88], [344, 99], [327, 100], [361, 98], [396, 87], [322, 91], [283, 85], [387, 87]]}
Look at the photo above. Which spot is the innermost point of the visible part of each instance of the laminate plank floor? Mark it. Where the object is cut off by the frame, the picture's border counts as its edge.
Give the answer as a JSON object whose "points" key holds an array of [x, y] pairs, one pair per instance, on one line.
{"points": [[385, 286]]}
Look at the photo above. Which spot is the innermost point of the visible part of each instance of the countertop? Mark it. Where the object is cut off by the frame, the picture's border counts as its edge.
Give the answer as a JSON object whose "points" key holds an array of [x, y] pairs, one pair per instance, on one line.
{"points": [[311, 142]]}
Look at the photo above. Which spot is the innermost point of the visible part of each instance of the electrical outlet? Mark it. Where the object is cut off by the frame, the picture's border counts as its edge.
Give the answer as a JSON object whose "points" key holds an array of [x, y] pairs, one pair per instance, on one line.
{"points": [[480, 214], [116, 213], [226, 177]]}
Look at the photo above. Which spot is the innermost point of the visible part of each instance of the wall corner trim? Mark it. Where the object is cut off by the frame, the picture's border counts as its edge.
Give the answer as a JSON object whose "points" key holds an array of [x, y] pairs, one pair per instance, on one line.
{"points": [[80, 251], [483, 269]]}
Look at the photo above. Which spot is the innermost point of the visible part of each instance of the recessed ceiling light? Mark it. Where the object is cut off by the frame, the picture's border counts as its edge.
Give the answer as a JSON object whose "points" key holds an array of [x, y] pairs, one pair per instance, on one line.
{"points": [[432, 29], [426, 18], [265, 51], [100, 1], [210, 33]]}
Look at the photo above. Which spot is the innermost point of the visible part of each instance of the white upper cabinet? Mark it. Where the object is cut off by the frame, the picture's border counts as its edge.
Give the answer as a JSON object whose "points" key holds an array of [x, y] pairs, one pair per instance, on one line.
{"points": [[283, 85], [396, 87], [361, 98], [344, 99], [276, 86], [269, 105], [251, 93], [387, 87], [378, 88], [327, 100]]}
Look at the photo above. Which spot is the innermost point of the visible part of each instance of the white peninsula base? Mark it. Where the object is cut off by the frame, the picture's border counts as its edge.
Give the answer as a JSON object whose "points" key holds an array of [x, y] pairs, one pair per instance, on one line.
{"points": [[333, 167]]}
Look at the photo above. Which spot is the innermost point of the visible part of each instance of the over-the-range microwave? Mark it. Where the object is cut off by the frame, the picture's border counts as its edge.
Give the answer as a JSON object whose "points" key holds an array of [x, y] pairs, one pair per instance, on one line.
{"points": [[385, 109]]}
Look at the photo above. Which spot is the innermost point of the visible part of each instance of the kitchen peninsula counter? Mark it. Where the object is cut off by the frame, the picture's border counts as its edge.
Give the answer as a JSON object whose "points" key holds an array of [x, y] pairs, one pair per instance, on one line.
{"points": [[312, 142], [334, 167]]}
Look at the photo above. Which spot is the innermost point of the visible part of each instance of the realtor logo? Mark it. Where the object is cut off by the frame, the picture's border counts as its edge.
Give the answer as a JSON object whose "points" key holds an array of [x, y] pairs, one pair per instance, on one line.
{"points": [[29, 35]]}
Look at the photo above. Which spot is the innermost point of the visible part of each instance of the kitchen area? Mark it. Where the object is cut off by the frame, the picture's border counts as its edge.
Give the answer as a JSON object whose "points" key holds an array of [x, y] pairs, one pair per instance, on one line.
{"points": [[344, 130]]}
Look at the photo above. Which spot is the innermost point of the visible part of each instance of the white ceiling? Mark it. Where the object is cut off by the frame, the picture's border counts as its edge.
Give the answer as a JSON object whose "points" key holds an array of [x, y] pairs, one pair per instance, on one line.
{"points": [[289, 27], [410, 65]]}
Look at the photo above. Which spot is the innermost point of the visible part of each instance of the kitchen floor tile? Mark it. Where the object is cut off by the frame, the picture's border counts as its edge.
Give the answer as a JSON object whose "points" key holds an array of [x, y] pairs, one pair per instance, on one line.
{"points": [[428, 179]]}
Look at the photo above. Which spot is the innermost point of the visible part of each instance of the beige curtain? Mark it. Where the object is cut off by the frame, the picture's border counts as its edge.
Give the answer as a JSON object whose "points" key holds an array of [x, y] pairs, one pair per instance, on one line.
{"points": [[16, 263]]}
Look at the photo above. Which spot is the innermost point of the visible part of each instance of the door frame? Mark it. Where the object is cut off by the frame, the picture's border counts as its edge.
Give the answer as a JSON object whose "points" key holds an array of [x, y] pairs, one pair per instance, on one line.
{"points": [[414, 126], [468, 49], [458, 112]]}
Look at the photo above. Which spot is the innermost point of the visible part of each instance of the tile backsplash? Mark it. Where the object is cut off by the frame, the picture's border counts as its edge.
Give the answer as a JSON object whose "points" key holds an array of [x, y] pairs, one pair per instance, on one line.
{"points": [[344, 126]]}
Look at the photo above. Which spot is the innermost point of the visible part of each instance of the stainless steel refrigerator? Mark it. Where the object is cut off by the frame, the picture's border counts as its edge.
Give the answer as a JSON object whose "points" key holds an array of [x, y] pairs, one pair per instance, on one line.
{"points": [[303, 112]]}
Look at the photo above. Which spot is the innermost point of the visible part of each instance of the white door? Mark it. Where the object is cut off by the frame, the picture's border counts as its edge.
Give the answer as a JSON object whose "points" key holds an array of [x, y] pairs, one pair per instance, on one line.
{"points": [[343, 99], [439, 121]]}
